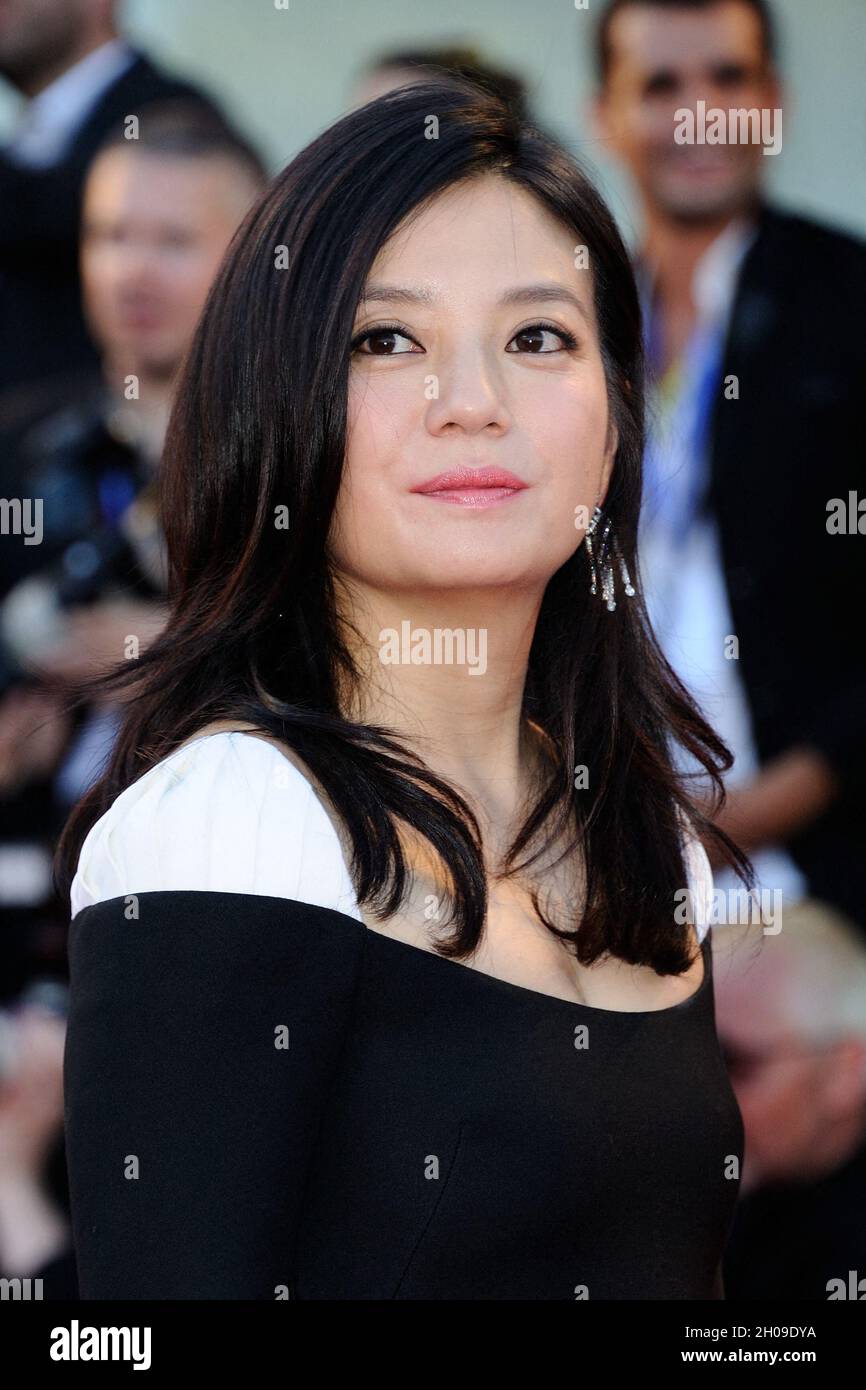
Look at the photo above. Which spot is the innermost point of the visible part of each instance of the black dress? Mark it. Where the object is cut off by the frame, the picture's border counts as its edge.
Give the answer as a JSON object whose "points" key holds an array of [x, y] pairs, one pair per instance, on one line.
{"points": [[267, 1099]]}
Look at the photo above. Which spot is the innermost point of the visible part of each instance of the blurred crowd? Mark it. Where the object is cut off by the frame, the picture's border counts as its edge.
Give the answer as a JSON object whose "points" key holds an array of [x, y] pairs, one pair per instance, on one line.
{"points": [[120, 189]]}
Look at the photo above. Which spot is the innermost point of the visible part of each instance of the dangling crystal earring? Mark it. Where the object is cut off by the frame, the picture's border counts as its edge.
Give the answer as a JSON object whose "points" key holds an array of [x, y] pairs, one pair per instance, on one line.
{"points": [[606, 545]]}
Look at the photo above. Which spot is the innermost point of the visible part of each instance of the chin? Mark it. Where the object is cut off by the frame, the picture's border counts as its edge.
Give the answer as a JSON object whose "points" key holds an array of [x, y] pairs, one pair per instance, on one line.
{"points": [[700, 207], [696, 202], [444, 575]]}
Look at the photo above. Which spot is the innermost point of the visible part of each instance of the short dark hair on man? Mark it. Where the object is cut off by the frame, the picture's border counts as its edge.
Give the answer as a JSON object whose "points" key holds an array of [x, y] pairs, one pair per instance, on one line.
{"points": [[456, 61], [187, 127], [603, 47]]}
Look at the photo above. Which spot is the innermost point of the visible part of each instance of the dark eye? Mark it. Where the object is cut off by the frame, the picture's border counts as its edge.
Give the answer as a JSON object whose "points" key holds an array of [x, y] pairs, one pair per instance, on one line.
{"points": [[731, 75], [661, 84], [533, 338], [176, 240], [381, 342]]}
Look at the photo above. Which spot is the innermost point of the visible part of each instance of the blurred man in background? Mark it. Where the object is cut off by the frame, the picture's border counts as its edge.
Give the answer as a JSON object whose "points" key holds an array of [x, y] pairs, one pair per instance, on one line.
{"points": [[792, 1022], [757, 367], [400, 66], [158, 215], [81, 82]]}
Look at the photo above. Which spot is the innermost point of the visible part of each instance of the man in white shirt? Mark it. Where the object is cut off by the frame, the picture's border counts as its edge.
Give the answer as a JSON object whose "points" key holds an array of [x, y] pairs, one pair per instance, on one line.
{"points": [[680, 553], [734, 512]]}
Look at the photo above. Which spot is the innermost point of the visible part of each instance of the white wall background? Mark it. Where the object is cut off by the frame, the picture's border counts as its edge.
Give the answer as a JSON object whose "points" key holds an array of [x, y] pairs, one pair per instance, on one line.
{"points": [[287, 73]]}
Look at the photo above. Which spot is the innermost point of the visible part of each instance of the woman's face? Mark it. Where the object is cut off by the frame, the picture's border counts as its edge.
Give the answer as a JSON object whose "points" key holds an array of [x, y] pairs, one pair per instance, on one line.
{"points": [[476, 347]]}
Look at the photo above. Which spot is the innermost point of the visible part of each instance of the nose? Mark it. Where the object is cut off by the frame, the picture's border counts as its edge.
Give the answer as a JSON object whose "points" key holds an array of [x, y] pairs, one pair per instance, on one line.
{"points": [[141, 266], [704, 87], [467, 393]]}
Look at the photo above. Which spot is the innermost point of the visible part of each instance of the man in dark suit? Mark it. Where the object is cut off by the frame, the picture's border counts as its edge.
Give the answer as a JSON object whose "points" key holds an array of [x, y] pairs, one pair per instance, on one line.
{"points": [[754, 557], [82, 83]]}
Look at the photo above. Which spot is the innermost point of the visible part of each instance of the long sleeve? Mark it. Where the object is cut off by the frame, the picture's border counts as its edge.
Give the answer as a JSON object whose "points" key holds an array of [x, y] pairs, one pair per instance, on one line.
{"points": [[190, 1124]]}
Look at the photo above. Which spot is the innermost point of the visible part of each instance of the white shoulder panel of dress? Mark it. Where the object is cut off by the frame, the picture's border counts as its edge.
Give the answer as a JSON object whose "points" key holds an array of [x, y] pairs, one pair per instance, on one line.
{"points": [[700, 881], [225, 813], [229, 813]]}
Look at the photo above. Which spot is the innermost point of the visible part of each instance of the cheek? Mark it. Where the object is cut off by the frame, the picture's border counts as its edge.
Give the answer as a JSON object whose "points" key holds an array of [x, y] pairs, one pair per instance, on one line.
{"points": [[380, 418], [372, 437], [645, 127], [381, 408], [96, 293], [566, 430], [185, 282], [655, 127], [566, 425], [103, 282]]}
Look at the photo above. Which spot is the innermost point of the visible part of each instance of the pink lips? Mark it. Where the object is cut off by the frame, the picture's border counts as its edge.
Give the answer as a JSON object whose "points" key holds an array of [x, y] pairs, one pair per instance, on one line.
{"points": [[473, 487]]}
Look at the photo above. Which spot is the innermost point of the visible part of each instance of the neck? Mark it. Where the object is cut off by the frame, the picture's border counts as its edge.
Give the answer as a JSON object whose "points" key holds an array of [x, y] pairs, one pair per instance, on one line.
{"points": [[672, 251], [465, 720], [674, 247], [143, 421]]}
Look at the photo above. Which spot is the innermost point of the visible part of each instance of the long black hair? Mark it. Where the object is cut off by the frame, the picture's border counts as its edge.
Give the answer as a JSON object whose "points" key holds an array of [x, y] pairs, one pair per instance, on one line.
{"points": [[259, 424]]}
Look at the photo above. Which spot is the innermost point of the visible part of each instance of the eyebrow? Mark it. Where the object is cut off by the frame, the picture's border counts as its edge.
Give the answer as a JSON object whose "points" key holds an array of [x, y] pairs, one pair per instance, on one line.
{"points": [[546, 292]]}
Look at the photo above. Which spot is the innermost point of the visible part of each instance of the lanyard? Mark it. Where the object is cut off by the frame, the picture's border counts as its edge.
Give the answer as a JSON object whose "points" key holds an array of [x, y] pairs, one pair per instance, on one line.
{"points": [[676, 466], [116, 491]]}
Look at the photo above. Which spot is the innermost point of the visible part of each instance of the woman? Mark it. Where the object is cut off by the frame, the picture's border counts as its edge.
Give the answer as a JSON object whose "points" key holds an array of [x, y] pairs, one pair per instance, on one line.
{"points": [[380, 983]]}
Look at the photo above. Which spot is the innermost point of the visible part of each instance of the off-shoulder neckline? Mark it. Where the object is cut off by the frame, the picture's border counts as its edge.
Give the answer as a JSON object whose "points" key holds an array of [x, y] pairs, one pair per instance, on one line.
{"points": [[357, 920], [494, 982]]}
